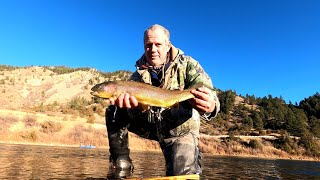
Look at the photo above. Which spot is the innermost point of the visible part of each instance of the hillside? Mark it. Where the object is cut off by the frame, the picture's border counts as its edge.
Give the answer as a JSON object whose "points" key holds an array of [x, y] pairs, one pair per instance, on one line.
{"points": [[53, 106], [27, 87], [39, 106]]}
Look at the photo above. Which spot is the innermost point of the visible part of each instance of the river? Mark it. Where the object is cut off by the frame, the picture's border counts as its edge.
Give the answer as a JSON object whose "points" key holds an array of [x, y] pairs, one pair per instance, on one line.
{"points": [[48, 162]]}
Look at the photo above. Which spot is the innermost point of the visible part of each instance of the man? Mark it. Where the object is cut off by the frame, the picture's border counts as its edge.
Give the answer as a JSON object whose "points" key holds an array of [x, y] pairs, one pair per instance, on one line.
{"points": [[176, 129]]}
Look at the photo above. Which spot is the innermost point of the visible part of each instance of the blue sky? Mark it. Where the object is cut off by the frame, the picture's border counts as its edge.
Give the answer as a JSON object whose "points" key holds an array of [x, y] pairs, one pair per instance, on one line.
{"points": [[255, 47]]}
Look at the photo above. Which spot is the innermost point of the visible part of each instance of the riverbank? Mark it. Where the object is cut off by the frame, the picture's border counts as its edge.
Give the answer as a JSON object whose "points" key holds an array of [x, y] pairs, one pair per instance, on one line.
{"points": [[242, 147], [264, 153], [70, 131]]}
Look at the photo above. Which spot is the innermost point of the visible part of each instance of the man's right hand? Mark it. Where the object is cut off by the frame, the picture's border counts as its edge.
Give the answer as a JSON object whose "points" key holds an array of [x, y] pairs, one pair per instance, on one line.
{"points": [[124, 101]]}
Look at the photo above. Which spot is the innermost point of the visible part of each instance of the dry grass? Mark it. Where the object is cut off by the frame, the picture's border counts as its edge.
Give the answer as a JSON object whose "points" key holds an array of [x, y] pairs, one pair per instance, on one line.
{"points": [[240, 148], [60, 130]]}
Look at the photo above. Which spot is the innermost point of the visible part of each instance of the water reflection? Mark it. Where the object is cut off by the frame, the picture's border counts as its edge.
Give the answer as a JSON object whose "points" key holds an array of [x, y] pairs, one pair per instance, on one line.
{"points": [[37, 162], [219, 167], [40, 162], [239, 168]]}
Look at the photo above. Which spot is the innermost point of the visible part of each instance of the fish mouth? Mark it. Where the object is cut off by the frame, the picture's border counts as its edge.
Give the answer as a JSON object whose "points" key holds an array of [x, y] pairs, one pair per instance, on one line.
{"points": [[93, 93], [94, 88]]}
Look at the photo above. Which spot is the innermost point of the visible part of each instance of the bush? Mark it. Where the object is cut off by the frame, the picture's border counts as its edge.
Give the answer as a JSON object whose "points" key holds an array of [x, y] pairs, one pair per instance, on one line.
{"points": [[7, 68], [286, 143], [5, 122], [99, 109], [310, 144], [30, 135], [91, 119], [30, 121], [50, 127], [232, 137], [76, 134], [255, 144]]}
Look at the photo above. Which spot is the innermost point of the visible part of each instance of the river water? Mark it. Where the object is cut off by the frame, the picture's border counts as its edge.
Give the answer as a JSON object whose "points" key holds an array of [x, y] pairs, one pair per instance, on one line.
{"points": [[45, 162]]}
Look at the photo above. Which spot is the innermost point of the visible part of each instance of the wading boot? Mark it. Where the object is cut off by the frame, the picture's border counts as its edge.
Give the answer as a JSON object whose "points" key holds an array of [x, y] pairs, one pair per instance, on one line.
{"points": [[120, 162], [120, 168]]}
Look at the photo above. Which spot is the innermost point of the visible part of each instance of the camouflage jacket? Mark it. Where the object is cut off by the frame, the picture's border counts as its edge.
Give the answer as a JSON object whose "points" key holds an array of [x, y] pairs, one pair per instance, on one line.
{"points": [[182, 73]]}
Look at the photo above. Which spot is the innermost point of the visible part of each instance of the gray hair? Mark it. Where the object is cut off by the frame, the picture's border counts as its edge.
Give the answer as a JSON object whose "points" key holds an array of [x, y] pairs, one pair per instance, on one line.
{"points": [[157, 27]]}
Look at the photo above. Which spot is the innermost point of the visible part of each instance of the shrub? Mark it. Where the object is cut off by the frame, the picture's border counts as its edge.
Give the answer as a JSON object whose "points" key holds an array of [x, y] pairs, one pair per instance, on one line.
{"points": [[286, 143], [232, 137], [91, 119], [7, 68], [30, 121], [78, 103], [99, 109], [5, 122], [255, 144], [310, 144], [76, 134], [30, 135], [50, 127]]}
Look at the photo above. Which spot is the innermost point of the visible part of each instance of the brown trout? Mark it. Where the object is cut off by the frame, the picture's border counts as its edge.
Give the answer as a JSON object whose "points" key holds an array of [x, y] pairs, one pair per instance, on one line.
{"points": [[144, 93]]}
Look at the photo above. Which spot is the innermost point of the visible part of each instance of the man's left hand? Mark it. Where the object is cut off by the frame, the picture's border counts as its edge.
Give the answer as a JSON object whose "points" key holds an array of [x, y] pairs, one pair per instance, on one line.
{"points": [[204, 100]]}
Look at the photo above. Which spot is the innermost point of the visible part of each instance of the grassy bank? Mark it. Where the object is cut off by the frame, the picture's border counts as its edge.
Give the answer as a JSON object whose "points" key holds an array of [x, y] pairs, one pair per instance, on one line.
{"points": [[66, 130]]}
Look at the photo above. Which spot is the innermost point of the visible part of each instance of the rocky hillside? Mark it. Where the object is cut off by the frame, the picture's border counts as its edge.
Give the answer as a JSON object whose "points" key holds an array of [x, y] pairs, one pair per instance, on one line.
{"points": [[32, 86], [53, 106]]}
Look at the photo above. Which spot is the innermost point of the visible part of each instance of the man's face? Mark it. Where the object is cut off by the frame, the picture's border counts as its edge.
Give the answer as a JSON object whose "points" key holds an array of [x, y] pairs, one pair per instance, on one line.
{"points": [[156, 47]]}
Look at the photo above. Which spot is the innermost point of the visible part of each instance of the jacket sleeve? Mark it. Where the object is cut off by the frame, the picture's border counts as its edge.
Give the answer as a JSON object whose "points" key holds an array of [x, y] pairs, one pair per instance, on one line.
{"points": [[195, 74]]}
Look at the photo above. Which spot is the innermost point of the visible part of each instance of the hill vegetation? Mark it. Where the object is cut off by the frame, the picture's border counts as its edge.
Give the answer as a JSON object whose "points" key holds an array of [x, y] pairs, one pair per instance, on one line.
{"points": [[296, 127], [53, 106]]}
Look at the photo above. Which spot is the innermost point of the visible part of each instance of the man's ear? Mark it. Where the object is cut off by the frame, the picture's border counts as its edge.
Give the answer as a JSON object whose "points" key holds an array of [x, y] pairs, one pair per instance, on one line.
{"points": [[169, 46]]}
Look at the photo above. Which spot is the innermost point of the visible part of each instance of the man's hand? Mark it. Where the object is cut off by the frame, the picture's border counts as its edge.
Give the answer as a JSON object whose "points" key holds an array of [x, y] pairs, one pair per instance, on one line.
{"points": [[204, 100], [124, 101]]}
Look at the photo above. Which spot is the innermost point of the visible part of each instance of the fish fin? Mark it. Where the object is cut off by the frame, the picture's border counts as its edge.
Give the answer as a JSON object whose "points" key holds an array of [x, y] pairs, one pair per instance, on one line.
{"points": [[176, 105], [144, 107], [112, 98], [196, 86]]}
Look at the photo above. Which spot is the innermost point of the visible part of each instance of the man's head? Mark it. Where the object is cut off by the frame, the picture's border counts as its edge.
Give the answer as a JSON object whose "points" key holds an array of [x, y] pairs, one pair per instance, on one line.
{"points": [[156, 45]]}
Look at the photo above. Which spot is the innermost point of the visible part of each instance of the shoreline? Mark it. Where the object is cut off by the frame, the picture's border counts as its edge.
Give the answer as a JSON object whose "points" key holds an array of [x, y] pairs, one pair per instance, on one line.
{"points": [[267, 157], [294, 158]]}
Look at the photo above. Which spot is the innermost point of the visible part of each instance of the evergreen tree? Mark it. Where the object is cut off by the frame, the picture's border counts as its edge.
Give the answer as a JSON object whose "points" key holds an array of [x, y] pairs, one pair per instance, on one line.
{"points": [[257, 121], [311, 105], [296, 122], [314, 124], [227, 100]]}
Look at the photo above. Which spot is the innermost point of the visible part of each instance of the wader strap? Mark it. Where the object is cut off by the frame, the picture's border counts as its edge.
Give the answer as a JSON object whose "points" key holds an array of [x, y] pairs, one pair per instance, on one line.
{"points": [[156, 118], [112, 109]]}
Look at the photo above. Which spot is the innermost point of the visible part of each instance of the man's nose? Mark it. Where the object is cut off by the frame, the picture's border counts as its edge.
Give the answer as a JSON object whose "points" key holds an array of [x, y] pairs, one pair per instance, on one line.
{"points": [[153, 47]]}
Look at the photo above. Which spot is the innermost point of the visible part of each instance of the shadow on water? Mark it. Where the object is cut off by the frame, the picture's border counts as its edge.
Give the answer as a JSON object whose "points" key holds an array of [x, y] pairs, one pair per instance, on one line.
{"points": [[42, 162]]}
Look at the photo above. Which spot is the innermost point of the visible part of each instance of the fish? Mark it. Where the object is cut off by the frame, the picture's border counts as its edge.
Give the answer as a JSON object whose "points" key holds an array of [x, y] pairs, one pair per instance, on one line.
{"points": [[145, 94]]}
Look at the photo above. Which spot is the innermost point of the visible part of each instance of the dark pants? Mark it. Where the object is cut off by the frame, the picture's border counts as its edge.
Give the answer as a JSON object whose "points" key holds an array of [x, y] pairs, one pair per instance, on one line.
{"points": [[181, 153]]}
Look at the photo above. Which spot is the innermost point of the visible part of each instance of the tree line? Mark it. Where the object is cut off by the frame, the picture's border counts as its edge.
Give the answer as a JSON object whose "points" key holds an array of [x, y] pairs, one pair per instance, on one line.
{"points": [[298, 124]]}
